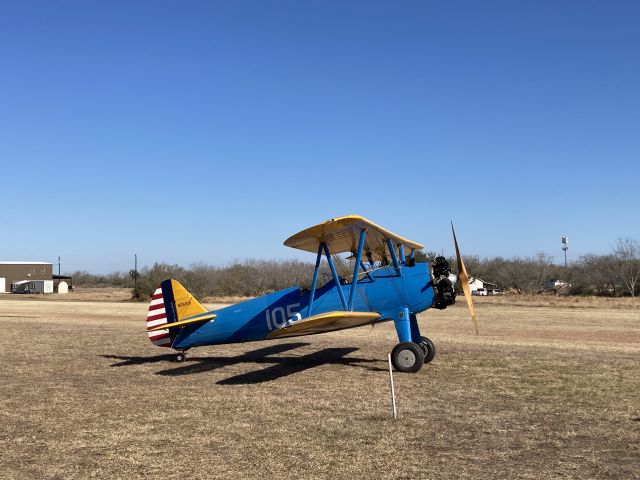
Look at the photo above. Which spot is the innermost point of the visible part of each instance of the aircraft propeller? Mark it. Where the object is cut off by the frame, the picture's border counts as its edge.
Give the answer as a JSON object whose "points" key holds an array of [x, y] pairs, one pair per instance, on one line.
{"points": [[464, 282]]}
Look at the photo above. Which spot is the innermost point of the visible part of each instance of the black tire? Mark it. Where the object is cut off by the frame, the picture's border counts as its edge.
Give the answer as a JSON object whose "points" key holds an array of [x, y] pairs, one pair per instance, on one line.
{"points": [[180, 357], [428, 348], [407, 357]]}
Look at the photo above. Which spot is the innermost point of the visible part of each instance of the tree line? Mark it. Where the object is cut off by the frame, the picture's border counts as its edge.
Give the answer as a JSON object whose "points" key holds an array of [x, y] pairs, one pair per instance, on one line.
{"points": [[614, 274], [239, 278]]}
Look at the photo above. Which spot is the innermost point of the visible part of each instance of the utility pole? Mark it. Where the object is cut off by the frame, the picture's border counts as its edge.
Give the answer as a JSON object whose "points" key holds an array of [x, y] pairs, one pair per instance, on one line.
{"points": [[58, 265], [135, 270], [565, 247]]}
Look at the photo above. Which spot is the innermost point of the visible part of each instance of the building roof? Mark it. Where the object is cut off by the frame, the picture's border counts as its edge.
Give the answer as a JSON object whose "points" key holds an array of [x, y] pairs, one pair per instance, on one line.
{"points": [[26, 263], [473, 279], [29, 281]]}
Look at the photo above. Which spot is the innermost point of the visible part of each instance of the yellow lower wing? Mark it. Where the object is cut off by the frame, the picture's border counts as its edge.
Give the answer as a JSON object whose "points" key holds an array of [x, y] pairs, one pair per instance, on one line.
{"points": [[182, 323], [325, 322]]}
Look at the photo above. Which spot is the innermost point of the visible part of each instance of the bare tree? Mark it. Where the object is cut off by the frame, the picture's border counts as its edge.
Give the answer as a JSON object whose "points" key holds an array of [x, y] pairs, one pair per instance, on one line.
{"points": [[600, 273], [516, 273], [151, 277], [430, 256], [474, 266], [627, 254], [543, 264]]}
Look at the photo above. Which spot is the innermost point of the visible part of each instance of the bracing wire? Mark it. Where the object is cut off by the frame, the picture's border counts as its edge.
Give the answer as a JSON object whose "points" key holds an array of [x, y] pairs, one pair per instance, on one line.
{"points": [[346, 273], [401, 295]]}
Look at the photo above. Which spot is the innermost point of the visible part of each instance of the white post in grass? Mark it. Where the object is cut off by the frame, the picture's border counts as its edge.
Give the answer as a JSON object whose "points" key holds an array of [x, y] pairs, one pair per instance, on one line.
{"points": [[393, 390]]}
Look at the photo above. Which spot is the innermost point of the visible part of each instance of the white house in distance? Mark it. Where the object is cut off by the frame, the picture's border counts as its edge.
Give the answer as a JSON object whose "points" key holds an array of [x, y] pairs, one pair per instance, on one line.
{"points": [[478, 285], [555, 285]]}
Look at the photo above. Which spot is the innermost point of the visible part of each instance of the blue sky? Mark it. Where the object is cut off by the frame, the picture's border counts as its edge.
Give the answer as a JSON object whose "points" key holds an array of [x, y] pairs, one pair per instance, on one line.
{"points": [[210, 131]]}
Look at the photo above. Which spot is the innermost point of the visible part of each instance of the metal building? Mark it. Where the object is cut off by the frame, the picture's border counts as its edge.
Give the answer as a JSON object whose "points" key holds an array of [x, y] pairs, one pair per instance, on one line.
{"points": [[13, 272]]}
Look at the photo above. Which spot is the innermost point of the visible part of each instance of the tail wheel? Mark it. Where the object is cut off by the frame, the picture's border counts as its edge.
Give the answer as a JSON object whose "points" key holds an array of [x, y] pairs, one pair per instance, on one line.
{"points": [[407, 357], [428, 348]]}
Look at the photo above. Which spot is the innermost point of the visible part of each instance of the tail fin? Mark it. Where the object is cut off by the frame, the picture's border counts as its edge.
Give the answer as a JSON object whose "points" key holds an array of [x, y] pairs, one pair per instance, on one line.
{"points": [[170, 303]]}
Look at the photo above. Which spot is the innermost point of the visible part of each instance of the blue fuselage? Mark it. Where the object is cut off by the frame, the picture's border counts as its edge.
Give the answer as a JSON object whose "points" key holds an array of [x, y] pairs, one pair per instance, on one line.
{"points": [[384, 290]]}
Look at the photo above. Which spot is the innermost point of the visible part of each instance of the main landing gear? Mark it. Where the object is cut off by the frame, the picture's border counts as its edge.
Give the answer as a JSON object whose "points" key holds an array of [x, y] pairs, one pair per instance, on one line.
{"points": [[428, 348], [181, 356], [414, 350], [409, 356]]}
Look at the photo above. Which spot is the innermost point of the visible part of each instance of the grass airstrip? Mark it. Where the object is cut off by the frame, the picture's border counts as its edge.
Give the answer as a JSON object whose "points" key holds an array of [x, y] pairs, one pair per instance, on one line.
{"points": [[550, 389]]}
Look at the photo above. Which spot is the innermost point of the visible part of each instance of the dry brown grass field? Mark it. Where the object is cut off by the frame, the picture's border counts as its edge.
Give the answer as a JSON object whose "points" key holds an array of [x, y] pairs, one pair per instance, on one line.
{"points": [[550, 389]]}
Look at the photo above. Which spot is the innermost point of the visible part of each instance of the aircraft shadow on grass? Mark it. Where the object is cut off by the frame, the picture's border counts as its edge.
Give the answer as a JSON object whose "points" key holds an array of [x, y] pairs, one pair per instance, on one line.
{"points": [[278, 366]]}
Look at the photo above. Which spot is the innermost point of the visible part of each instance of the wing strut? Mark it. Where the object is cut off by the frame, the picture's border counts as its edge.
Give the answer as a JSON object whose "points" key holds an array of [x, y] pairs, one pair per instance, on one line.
{"points": [[314, 282], [363, 266], [394, 257], [356, 267], [336, 278], [323, 248]]}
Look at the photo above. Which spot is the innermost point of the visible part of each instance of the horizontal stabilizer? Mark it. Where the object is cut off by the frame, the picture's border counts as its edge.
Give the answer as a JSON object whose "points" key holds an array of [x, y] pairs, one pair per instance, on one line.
{"points": [[186, 321], [325, 322]]}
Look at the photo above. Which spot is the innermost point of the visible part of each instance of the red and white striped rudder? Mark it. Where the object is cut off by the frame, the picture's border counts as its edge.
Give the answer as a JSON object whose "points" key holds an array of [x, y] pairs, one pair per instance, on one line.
{"points": [[158, 316]]}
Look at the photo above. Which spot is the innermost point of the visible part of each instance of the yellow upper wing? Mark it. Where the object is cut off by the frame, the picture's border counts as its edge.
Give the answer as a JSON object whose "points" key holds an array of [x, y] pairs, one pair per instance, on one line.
{"points": [[325, 322], [341, 234]]}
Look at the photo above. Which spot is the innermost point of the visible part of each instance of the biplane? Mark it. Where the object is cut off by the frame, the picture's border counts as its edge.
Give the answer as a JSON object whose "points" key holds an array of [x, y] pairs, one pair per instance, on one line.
{"points": [[381, 282]]}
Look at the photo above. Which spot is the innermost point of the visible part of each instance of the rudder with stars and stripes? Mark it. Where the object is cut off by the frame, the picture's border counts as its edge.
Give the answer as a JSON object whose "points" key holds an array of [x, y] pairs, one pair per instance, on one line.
{"points": [[170, 303], [159, 313]]}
